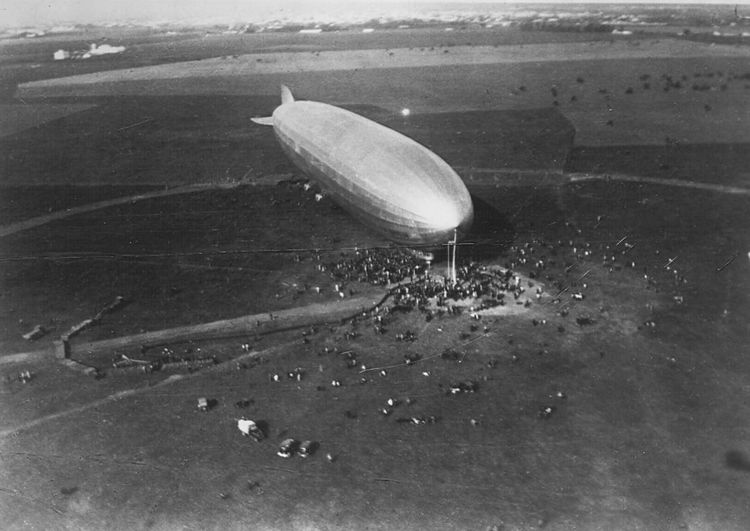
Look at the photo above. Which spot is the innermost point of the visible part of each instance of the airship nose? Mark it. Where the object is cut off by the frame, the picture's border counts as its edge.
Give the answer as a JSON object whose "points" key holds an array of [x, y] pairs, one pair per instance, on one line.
{"points": [[446, 215]]}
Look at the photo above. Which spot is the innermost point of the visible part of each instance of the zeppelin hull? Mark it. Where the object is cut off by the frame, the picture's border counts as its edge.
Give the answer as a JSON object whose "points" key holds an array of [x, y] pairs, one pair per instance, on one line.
{"points": [[383, 178]]}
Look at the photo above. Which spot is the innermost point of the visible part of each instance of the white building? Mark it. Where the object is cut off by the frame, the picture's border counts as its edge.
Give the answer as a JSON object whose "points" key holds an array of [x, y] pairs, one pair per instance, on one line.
{"points": [[59, 55], [105, 49]]}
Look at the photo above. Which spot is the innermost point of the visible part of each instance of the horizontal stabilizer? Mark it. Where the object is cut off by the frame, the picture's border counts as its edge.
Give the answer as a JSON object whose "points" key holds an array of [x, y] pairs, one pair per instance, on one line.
{"points": [[264, 120]]}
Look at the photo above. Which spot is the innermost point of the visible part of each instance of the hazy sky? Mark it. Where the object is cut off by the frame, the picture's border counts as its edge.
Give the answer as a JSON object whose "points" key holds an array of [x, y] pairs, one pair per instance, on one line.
{"points": [[32, 12]]}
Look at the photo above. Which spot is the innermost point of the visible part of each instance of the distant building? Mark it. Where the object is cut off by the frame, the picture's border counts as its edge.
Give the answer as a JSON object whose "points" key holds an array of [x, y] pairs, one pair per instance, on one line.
{"points": [[311, 30], [105, 49], [31, 33], [60, 55], [367, 30]]}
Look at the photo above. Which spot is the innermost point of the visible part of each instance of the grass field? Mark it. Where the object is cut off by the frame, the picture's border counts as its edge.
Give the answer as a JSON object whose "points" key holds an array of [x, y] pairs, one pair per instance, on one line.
{"points": [[647, 423], [651, 430]]}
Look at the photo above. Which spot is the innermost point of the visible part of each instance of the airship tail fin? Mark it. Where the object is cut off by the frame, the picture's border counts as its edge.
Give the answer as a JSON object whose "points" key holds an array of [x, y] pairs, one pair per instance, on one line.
{"points": [[265, 120], [286, 95]]}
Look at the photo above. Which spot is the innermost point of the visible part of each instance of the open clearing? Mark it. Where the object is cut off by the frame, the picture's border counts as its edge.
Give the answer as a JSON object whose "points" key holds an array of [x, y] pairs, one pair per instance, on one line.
{"points": [[19, 117], [295, 62], [636, 345]]}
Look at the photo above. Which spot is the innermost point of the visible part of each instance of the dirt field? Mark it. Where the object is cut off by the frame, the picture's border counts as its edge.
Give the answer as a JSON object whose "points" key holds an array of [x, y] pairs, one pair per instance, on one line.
{"points": [[650, 418], [295, 62], [642, 361], [20, 117]]}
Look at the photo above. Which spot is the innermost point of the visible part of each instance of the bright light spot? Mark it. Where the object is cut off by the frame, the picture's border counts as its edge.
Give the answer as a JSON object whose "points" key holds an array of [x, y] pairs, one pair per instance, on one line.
{"points": [[405, 112], [441, 215]]}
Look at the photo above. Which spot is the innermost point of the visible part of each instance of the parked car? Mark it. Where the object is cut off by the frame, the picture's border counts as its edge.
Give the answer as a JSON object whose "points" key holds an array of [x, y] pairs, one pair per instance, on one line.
{"points": [[287, 448]]}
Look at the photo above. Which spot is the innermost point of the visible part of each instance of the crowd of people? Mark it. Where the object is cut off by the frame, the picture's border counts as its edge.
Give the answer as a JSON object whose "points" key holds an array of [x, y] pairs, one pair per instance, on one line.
{"points": [[414, 286]]}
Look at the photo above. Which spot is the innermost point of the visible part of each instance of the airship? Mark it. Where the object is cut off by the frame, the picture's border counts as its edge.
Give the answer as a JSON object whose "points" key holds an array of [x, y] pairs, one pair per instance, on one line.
{"points": [[385, 179]]}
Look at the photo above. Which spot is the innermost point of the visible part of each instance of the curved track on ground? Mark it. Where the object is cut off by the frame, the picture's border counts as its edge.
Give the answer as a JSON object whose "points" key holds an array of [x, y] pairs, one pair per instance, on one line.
{"points": [[31, 223], [474, 176], [119, 395], [720, 188]]}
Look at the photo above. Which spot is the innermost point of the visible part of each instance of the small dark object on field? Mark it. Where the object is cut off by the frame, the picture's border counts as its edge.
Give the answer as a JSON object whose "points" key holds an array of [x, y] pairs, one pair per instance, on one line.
{"points": [[406, 336], [204, 404], [585, 320], [579, 79], [67, 491], [412, 358], [610, 123], [37, 332], [463, 387], [243, 403], [307, 448], [451, 355], [287, 448], [432, 419], [545, 412], [250, 428], [629, 90]]}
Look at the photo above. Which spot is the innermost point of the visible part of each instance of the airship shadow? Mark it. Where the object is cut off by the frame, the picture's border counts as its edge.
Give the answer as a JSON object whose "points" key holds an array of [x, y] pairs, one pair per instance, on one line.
{"points": [[491, 233]]}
